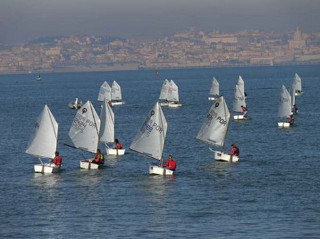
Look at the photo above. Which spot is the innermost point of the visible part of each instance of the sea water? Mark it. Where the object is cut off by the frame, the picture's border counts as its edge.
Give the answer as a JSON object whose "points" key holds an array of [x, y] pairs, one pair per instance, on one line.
{"points": [[272, 192]]}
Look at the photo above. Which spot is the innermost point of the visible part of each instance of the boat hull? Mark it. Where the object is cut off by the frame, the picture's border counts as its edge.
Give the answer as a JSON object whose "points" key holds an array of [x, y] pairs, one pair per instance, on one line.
{"points": [[298, 93], [213, 98], [46, 168], [174, 105], [157, 170], [164, 103], [220, 156], [239, 117], [283, 124], [116, 103], [116, 152], [86, 164]]}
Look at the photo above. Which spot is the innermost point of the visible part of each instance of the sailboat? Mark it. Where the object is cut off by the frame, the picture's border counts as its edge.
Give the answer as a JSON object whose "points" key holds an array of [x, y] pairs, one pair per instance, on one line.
{"points": [[107, 129], [84, 133], [43, 141], [116, 95], [76, 104], [284, 109], [215, 128], [151, 138], [38, 78], [104, 92], [296, 85], [214, 90], [173, 95], [238, 101], [164, 93]]}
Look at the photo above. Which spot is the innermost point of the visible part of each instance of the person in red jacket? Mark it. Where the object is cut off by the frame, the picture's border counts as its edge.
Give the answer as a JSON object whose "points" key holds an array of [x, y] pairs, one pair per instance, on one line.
{"points": [[99, 158], [234, 150], [244, 111], [170, 163], [57, 160], [118, 145]]}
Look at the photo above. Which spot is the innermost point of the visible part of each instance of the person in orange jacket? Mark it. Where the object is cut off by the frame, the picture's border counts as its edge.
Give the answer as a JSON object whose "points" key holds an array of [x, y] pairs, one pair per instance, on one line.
{"points": [[57, 160]]}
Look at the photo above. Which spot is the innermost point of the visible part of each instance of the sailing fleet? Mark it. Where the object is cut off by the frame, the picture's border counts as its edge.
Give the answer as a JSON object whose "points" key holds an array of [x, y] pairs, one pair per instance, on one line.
{"points": [[88, 129]]}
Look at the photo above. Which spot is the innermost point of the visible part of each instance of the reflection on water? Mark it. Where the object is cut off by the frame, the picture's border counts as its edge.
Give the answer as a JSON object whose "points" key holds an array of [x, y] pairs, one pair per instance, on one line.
{"points": [[46, 181]]}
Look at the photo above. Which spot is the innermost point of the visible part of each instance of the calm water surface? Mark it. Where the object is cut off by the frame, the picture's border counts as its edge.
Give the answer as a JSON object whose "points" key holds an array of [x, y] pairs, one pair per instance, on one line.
{"points": [[273, 192]]}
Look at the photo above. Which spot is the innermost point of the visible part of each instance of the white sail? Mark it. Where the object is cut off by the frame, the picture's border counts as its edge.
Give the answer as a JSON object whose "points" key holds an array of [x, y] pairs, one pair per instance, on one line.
{"points": [[173, 92], [116, 91], [214, 90], [43, 141], [104, 92], [164, 90], [151, 136], [240, 83], [238, 99], [107, 123], [296, 84], [284, 110], [215, 126], [84, 131]]}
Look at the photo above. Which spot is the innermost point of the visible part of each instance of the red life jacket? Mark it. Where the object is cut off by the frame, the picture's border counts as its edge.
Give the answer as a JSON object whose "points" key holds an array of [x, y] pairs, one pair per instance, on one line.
{"points": [[57, 160]]}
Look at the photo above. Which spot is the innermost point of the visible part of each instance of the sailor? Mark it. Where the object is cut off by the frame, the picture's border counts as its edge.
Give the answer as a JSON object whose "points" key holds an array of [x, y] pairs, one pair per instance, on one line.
{"points": [[170, 163], [99, 158], [291, 119], [234, 150], [118, 145], [57, 160], [244, 111]]}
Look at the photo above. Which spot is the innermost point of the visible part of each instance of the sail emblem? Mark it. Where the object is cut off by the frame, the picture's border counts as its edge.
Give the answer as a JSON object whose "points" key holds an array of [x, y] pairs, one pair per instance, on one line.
{"points": [[216, 105], [152, 112], [37, 125], [84, 110]]}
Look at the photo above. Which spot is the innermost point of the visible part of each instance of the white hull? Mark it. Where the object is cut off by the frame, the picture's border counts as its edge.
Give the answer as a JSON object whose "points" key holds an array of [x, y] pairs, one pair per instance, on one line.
{"points": [[117, 103], [220, 156], [85, 164], [239, 117], [298, 93], [117, 152], [283, 124], [46, 168], [174, 105], [164, 103], [213, 98], [157, 170]]}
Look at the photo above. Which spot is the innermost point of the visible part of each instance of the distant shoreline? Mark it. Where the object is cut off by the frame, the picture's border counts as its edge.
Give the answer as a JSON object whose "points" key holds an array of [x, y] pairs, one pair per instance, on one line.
{"points": [[136, 67]]}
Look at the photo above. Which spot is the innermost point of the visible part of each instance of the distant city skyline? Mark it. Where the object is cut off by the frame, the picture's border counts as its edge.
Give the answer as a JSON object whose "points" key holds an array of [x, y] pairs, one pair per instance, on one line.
{"points": [[22, 21]]}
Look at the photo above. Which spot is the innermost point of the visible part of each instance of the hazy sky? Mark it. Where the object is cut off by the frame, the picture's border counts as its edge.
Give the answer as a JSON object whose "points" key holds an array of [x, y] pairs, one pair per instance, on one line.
{"points": [[23, 20]]}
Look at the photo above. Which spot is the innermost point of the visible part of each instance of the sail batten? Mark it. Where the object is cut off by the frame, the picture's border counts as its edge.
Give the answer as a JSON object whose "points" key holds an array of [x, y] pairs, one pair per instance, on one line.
{"points": [[43, 141], [151, 137], [214, 129]]}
